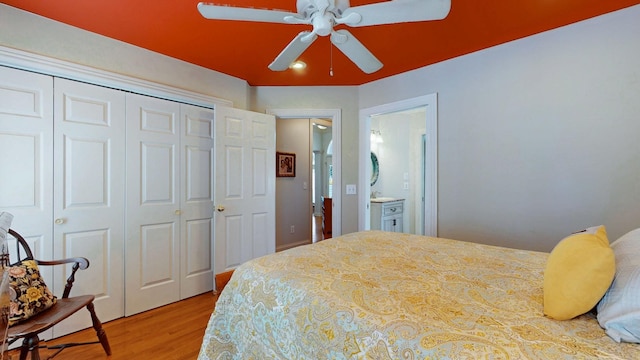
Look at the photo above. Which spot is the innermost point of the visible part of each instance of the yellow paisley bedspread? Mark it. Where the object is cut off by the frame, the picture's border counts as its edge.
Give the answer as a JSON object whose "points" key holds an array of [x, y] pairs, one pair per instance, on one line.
{"points": [[379, 295]]}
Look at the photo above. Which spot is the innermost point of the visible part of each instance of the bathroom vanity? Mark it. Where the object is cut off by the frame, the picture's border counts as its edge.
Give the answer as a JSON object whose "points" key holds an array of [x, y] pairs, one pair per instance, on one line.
{"points": [[387, 214]]}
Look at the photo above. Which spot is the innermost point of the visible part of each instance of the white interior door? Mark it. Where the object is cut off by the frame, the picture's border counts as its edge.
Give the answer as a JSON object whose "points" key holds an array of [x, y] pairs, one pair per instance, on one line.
{"points": [[26, 145], [89, 147], [244, 187], [152, 245], [196, 224]]}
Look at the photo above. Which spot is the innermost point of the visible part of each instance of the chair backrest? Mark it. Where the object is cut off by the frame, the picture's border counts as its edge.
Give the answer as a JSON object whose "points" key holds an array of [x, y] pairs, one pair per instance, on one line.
{"points": [[23, 251]]}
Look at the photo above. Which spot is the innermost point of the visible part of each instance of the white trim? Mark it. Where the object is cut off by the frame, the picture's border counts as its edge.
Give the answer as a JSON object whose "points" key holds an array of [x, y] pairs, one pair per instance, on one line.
{"points": [[336, 134], [431, 182], [41, 64]]}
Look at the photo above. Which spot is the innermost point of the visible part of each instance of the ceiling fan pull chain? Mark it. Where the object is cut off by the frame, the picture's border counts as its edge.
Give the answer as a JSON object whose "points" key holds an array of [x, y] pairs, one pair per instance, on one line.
{"points": [[330, 59]]}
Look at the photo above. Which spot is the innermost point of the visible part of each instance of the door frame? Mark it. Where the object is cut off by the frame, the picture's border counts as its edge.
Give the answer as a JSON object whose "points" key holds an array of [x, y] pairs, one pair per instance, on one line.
{"points": [[336, 133], [430, 102]]}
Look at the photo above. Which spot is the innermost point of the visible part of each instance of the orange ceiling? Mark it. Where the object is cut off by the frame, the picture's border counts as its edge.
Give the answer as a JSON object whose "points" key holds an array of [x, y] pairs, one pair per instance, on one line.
{"points": [[244, 49]]}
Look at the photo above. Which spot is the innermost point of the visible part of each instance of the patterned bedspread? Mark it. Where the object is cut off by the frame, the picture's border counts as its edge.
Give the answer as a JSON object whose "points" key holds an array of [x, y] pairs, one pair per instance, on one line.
{"points": [[379, 295]]}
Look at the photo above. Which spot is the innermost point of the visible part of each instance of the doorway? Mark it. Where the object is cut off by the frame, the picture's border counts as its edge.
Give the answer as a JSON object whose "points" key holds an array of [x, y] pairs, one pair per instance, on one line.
{"points": [[409, 167], [396, 144], [334, 117]]}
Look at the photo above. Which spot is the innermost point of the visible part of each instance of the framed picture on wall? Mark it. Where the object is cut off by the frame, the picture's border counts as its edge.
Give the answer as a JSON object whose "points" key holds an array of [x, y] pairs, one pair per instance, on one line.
{"points": [[285, 164]]}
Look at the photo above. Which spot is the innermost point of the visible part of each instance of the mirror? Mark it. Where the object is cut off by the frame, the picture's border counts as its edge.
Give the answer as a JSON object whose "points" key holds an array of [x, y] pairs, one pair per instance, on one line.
{"points": [[375, 168]]}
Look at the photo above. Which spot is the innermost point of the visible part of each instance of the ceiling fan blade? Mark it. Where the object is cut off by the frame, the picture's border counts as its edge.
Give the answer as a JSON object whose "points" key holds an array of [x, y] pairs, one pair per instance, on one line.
{"points": [[395, 11], [355, 51], [221, 12], [295, 48]]}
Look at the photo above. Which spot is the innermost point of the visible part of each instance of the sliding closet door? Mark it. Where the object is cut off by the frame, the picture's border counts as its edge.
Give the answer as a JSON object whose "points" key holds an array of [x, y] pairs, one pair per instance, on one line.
{"points": [[153, 203], [26, 150], [196, 225], [89, 150]]}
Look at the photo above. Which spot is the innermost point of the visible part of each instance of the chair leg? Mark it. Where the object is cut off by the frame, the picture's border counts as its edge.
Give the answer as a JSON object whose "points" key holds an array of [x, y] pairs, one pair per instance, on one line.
{"points": [[24, 349], [97, 326], [30, 344]]}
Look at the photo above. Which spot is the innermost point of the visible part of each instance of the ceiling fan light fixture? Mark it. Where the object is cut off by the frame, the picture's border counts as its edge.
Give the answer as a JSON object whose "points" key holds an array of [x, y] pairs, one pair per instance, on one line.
{"points": [[298, 65]]}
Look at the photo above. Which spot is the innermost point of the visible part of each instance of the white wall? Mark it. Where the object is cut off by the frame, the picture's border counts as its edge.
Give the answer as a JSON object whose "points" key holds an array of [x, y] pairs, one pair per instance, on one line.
{"points": [[32, 33], [537, 137]]}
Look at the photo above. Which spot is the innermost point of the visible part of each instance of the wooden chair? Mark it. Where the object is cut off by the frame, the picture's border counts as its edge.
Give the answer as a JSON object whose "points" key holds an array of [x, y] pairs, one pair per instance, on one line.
{"points": [[64, 307]]}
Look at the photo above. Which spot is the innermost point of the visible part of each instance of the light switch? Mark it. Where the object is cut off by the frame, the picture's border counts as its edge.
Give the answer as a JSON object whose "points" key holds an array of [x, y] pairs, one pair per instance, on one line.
{"points": [[351, 189]]}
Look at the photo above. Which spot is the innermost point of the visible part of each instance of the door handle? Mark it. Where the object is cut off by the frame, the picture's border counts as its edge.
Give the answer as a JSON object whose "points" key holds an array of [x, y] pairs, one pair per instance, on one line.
{"points": [[220, 208], [59, 221]]}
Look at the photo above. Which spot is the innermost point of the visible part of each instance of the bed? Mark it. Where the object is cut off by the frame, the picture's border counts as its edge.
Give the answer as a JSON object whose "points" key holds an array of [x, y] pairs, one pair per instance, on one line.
{"points": [[380, 295]]}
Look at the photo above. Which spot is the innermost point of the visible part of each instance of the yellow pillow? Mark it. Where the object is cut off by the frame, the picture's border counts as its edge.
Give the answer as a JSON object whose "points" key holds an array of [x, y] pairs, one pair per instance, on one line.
{"points": [[579, 271]]}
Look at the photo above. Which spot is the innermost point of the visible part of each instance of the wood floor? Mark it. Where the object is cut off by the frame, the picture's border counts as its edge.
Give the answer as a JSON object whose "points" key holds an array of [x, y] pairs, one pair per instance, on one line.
{"points": [[171, 332]]}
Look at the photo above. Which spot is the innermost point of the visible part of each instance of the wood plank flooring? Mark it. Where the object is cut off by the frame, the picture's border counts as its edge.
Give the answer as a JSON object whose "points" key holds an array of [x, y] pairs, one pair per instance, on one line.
{"points": [[171, 332]]}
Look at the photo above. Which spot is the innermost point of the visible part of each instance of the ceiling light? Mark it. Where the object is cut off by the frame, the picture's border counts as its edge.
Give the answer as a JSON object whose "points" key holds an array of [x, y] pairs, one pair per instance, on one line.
{"points": [[321, 127], [298, 65]]}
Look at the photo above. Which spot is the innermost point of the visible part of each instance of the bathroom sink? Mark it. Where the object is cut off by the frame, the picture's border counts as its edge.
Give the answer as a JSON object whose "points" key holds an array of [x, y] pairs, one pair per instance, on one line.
{"points": [[383, 199]]}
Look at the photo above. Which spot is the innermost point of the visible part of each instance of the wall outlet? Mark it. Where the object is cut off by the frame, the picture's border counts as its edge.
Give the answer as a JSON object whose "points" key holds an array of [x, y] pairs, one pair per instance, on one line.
{"points": [[293, 229]]}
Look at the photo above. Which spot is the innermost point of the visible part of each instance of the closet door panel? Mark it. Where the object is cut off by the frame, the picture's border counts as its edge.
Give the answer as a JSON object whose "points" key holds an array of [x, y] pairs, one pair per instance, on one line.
{"points": [[155, 240], [197, 145], [26, 147], [89, 150], [152, 248]]}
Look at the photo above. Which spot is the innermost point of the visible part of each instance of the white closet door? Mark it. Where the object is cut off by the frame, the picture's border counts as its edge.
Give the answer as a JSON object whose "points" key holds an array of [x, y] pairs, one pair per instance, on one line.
{"points": [[26, 150], [89, 152], [196, 224], [152, 247]]}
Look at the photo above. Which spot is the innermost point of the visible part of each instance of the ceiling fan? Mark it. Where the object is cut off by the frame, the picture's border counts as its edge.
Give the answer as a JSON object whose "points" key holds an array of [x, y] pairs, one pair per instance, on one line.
{"points": [[323, 15]]}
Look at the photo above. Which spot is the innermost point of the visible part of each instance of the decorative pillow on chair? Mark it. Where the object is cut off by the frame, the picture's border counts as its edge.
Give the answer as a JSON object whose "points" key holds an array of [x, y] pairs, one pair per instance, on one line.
{"points": [[579, 271], [619, 309], [31, 293]]}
